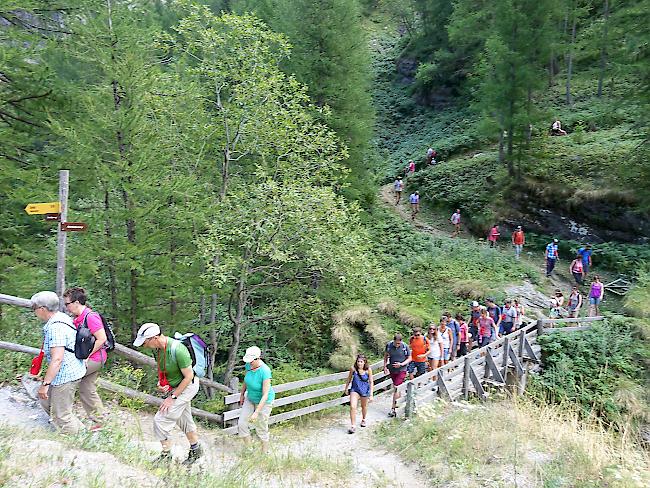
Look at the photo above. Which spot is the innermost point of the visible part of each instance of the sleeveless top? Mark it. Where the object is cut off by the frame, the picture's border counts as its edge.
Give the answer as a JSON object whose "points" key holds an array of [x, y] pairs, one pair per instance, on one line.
{"points": [[577, 266], [446, 341], [596, 289], [361, 383], [573, 301]]}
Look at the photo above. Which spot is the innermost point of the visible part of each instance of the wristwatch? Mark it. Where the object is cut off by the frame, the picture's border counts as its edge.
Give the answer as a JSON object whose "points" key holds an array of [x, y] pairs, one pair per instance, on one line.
{"points": [[174, 397], [46, 384]]}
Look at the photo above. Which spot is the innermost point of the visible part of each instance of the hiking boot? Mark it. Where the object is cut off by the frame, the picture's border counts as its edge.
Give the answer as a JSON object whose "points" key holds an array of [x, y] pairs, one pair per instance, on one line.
{"points": [[164, 458], [193, 455], [351, 430], [392, 413]]}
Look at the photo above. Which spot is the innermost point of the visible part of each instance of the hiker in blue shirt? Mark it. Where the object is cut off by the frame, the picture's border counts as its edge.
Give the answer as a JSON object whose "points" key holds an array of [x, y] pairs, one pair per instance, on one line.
{"points": [[455, 332], [551, 256], [414, 199], [585, 253]]}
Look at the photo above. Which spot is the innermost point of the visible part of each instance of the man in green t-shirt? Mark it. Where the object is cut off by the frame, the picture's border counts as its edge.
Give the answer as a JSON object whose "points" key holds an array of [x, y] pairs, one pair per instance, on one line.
{"points": [[177, 380]]}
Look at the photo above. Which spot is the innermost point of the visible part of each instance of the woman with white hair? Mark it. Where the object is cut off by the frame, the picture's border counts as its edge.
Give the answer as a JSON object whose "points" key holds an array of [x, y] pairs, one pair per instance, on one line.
{"points": [[64, 370], [256, 398]]}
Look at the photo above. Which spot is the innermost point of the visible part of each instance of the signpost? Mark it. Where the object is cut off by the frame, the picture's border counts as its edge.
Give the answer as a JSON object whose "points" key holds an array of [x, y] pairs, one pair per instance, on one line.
{"points": [[73, 226], [52, 217], [43, 208]]}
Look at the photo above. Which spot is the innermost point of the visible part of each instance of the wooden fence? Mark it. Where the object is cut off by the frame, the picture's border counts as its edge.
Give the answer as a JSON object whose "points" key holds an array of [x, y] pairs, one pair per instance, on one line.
{"points": [[509, 358]]}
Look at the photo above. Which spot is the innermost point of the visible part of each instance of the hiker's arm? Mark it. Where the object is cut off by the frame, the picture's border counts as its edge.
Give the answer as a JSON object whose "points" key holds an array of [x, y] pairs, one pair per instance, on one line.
{"points": [[56, 355], [242, 394], [371, 380], [385, 362], [266, 387], [100, 340], [347, 382], [188, 376]]}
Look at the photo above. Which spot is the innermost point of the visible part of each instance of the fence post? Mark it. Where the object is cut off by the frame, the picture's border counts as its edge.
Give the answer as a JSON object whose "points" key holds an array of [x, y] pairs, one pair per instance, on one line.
{"points": [[540, 327], [234, 384], [410, 400], [466, 367], [522, 337]]}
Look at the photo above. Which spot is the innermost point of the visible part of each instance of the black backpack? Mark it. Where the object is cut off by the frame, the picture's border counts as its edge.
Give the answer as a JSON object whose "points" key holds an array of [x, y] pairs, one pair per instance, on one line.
{"points": [[85, 340]]}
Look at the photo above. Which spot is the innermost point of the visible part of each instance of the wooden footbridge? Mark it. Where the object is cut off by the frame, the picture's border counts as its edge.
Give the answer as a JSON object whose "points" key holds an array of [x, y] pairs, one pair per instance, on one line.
{"points": [[504, 362]]}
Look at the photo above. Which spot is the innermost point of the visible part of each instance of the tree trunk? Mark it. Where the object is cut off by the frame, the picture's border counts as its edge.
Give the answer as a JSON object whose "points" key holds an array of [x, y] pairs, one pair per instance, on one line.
{"points": [[502, 156], [112, 273], [214, 341], [603, 50], [173, 304], [242, 298], [569, 70]]}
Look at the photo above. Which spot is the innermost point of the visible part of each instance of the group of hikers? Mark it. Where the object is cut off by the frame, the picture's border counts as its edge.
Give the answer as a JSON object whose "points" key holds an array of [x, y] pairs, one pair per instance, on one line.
{"points": [[76, 345], [453, 336]]}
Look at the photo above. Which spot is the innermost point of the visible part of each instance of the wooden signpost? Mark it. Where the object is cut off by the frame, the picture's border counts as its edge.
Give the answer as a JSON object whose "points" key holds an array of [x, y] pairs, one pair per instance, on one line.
{"points": [[58, 212]]}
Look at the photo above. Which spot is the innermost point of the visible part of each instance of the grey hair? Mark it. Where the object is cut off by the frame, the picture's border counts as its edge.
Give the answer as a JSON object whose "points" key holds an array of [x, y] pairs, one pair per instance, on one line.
{"points": [[47, 299]]}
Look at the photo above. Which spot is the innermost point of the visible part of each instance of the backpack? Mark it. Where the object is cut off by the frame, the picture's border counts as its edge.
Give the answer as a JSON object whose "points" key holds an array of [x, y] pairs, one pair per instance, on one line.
{"points": [[198, 352], [84, 341]]}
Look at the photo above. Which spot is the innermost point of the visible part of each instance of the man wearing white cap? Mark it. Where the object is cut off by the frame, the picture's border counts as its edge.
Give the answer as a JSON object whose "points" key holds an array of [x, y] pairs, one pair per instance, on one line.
{"points": [[256, 398], [176, 379]]}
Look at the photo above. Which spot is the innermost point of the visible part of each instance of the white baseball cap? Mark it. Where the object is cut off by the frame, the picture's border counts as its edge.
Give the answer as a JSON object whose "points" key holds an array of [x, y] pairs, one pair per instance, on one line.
{"points": [[146, 331], [474, 304], [252, 353]]}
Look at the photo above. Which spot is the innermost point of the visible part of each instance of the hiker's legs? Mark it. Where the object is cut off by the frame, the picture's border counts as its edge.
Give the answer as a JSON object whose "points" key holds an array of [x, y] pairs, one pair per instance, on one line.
{"points": [[59, 407], [364, 408], [243, 428], [518, 248], [354, 400], [396, 396], [550, 264], [88, 395], [179, 413]]}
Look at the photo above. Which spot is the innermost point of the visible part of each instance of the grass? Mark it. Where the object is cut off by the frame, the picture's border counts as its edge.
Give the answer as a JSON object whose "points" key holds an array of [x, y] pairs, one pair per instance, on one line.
{"points": [[515, 444]]}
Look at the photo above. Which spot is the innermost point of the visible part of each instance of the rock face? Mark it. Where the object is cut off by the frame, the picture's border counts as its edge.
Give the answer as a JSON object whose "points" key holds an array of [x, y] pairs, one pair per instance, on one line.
{"points": [[532, 299]]}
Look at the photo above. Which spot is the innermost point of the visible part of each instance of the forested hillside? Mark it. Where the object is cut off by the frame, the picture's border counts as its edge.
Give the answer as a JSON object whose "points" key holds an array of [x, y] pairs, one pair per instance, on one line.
{"points": [[227, 157]]}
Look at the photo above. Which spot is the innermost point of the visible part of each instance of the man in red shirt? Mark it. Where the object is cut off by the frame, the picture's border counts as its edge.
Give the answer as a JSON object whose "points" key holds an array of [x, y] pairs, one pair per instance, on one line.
{"points": [[518, 241], [419, 346]]}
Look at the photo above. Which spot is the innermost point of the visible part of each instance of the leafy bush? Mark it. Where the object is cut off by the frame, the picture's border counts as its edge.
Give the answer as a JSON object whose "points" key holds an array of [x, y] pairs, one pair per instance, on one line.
{"points": [[637, 300], [595, 368]]}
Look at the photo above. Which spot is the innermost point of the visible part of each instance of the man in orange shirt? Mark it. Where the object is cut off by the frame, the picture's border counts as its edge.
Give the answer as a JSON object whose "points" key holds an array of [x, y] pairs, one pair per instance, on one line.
{"points": [[518, 241], [419, 346]]}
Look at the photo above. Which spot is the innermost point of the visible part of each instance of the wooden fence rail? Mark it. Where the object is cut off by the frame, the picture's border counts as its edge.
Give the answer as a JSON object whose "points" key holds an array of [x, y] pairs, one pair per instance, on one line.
{"points": [[127, 352]]}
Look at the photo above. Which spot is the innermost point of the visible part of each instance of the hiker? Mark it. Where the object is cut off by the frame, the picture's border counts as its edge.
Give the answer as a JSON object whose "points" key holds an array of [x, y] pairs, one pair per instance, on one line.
{"points": [[361, 390], [436, 351], [176, 380], [556, 309], [256, 398], [455, 221], [447, 337], [508, 318], [75, 302], [431, 156], [414, 199], [420, 347], [493, 235], [596, 294], [464, 335], [585, 253], [64, 370], [398, 186], [518, 241], [455, 332], [556, 129], [577, 270], [487, 328], [519, 307], [411, 167], [551, 256], [574, 302], [494, 312], [474, 316], [397, 356]]}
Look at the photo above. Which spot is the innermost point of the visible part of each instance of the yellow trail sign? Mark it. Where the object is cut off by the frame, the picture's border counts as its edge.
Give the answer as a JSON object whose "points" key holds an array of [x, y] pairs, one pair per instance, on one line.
{"points": [[43, 208]]}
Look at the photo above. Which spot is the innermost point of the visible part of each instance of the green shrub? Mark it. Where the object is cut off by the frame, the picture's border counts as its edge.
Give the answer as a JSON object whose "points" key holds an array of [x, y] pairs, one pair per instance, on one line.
{"points": [[594, 368], [637, 300]]}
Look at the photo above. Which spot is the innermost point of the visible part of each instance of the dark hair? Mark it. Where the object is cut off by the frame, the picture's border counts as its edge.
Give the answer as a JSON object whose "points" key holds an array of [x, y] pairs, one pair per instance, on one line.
{"points": [[366, 366], [76, 294], [397, 337], [459, 316]]}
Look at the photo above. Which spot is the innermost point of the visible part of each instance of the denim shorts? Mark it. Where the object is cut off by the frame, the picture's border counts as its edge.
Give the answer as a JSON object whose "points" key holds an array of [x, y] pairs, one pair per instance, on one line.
{"points": [[594, 300], [446, 354], [419, 366]]}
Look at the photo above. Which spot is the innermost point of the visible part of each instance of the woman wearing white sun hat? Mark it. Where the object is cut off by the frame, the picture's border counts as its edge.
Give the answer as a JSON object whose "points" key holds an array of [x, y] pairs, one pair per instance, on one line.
{"points": [[256, 398]]}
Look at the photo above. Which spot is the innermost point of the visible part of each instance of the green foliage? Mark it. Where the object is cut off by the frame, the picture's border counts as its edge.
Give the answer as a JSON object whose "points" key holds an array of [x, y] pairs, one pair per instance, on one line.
{"points": [[637, 300], [593, 368], [130, 377]]}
